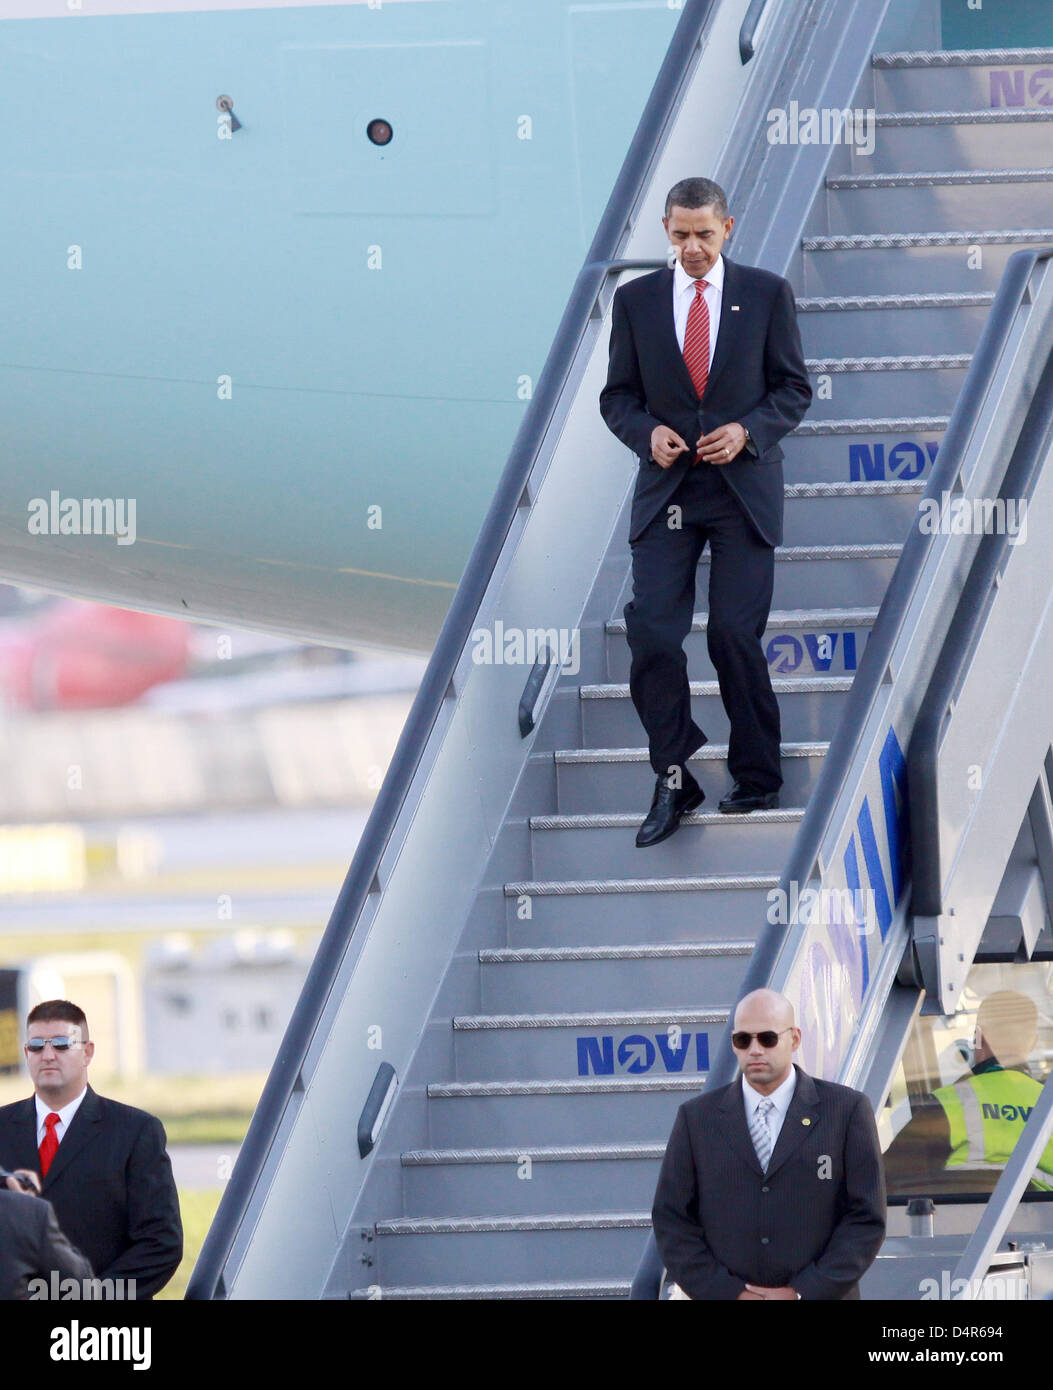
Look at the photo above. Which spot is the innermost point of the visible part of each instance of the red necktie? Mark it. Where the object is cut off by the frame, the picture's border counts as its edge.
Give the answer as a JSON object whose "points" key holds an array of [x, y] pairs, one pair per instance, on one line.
{"points": [[49, 1143], [696, 339]]}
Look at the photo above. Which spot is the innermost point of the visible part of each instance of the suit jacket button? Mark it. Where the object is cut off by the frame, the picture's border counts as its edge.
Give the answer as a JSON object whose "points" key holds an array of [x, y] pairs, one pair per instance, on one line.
{"points": [[765, 1189], [764, 1240]]}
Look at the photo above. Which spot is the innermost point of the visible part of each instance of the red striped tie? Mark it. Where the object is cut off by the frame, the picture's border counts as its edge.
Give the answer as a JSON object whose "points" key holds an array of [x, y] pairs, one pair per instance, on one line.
{"points": [[696, 339]]}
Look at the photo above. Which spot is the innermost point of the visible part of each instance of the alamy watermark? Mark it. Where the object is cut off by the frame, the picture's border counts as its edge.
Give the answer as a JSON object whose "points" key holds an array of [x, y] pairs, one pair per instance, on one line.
{"points": [[83, 516], [56, 1289], [976, 516], [853, 907], [517, 646], [77, 1343], [827, 125], [993, 1288]]}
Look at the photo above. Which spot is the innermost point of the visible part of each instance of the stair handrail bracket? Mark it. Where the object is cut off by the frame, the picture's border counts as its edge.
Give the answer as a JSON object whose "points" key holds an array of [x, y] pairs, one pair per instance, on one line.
{"points": [[838, 926]]}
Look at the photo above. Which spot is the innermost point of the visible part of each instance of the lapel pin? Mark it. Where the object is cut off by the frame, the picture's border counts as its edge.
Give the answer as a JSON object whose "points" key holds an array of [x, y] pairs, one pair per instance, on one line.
{"points": [[806, 1121], [734, 308]]}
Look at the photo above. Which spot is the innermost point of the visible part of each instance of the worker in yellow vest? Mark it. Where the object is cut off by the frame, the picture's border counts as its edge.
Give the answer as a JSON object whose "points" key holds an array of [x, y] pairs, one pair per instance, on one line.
{"points": [[961, 1136]]}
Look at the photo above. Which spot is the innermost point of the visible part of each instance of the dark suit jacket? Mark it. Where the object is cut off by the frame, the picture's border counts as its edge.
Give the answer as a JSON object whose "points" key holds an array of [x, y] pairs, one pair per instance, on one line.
{"points": [[32, 1246], [758, 378], [814, 1221], [111, 1186]]}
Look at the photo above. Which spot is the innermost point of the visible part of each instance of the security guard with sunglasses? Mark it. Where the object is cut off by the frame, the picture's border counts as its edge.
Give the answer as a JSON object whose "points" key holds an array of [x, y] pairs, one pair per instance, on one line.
{"points": [[103, 1165], [772, 1187]]}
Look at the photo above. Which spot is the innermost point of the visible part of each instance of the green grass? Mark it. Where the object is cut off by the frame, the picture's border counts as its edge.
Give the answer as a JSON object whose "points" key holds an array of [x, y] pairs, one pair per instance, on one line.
{"points": [[207, 1128], [197, 1207], [193, 1109]]}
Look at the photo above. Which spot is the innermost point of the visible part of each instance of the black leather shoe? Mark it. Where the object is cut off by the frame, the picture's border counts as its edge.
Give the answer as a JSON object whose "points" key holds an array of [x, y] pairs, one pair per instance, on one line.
{"points": [[742, 799], [668, 805]]}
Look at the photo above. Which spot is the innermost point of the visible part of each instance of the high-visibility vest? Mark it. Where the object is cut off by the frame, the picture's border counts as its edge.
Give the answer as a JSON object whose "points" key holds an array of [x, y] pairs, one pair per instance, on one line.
{"points": [[986, 1115]]}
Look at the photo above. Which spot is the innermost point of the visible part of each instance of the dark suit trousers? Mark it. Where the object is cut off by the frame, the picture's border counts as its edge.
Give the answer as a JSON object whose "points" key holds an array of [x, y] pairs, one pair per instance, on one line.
{"points": [[658, 616]]}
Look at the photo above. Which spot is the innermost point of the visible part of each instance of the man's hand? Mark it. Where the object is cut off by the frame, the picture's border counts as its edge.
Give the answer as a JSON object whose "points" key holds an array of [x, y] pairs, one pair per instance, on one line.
{"points": [[666, 444], [759, 1291], [722, 445], [747, 1297], [23, 1180]]}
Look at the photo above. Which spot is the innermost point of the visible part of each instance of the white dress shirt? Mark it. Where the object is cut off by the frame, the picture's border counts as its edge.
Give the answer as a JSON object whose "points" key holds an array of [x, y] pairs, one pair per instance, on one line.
{"points": [[684, 295], [780, 1098], [65, 1116]]}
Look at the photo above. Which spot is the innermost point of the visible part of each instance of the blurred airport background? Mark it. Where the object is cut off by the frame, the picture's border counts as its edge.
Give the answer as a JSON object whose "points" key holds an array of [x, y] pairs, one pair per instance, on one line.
{"points": [[178, 808]]}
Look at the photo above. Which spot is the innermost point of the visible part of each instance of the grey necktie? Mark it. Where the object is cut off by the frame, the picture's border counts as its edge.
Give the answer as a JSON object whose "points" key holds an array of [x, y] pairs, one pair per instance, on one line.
{"points": [[760, 1133]]}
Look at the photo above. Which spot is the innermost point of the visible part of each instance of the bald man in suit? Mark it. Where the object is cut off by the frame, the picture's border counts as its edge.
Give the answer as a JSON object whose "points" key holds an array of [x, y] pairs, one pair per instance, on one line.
{"points": [[771, 1188]]}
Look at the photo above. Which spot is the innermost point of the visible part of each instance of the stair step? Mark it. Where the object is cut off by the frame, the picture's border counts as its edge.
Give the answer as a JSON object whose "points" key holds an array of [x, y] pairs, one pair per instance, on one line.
{"points": [[863, 450], [595, 1248], [529, 1180], [894, 487], [810, 709], [613, 976], [990, 78], [778, 617], [579, 1288], [709, 752], [940, 178], [604, 843], [806, 575], [874, 511], [635, 1018], [999, 118], [962, 58], [540, 1153], [628, 820], [605, 779], [931, 362], [892, 323], [573, 910], [976, 140], [794, 554], [923, 381], [856, 303], [924, 261], [797, 642], [557, 1111], [934, 198], [889, 424], [490, 1047], [884, 241], [482, 1225], [561, 1086], [535, 955]]}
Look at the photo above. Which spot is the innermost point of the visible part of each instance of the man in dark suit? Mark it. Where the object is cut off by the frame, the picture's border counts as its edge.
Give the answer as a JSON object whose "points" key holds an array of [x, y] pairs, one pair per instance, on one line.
{"points": [[103, 1165], [706, 375], [31, 1244], [772, 1187]]}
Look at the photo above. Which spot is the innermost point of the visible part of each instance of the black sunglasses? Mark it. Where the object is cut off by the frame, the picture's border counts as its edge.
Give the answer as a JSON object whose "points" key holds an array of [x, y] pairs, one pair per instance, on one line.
{"points": [[59, 1044], [740, 1041]]}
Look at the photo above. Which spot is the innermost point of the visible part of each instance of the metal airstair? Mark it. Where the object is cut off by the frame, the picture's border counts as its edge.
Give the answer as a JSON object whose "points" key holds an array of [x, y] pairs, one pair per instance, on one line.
{"points": [[512, 1000]]}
